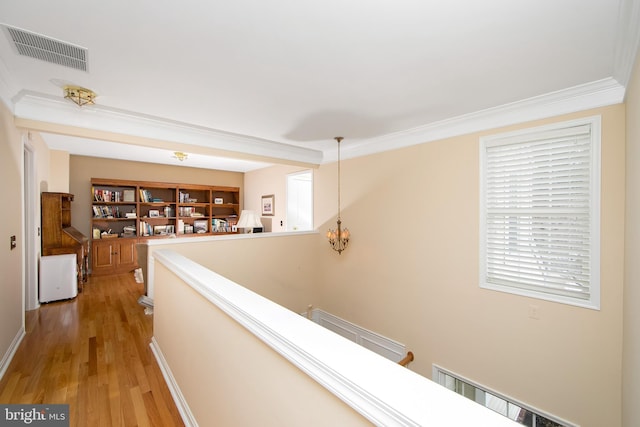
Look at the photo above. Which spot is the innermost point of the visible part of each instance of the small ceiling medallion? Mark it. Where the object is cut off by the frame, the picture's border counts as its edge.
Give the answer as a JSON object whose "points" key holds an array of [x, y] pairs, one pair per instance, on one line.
{"points": [[180, 155], [79, 95]]}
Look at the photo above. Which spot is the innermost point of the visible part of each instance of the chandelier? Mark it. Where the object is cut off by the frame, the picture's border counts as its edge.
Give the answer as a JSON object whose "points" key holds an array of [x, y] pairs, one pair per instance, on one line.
{"points": [[338, 238], [79, 95]]}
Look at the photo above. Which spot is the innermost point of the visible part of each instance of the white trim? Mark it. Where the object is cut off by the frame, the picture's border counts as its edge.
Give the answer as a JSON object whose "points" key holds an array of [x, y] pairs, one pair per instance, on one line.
{"points": [[47, 109], [11, 351], [436, 369], [38, 107], [578, 98], [31, 244], [595, 169], [183, 407], [384, 392], [385, 347], [627, 40], [7, 86]]}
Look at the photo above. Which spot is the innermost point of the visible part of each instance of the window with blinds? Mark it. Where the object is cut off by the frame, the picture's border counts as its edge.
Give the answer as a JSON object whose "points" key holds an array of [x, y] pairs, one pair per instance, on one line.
{"points": [[540, 205]]}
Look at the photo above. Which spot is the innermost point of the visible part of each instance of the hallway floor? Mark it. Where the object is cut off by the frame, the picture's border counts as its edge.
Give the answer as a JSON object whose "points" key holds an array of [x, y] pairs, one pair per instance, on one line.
{"points": [[93, 353]]}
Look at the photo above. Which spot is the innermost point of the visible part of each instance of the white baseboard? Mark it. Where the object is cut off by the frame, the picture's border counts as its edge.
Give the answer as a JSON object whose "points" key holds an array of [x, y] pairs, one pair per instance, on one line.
{"points": [[11, 351], [377, 343], [185, 412]]}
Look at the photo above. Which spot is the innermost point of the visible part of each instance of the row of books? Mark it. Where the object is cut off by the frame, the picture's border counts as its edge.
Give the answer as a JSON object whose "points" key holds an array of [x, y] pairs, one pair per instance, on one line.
{"points": [[199, 227], [106, 211], [185, 198], [222, 226], [102, 195], [147, 197], [189, 211]]}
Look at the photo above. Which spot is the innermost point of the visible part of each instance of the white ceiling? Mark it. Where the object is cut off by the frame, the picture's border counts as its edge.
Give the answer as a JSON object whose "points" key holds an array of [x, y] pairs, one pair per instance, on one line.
{"points": [[277, 80]]}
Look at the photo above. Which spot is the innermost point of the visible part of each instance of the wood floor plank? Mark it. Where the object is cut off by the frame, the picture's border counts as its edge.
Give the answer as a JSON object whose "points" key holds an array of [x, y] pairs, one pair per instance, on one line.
{"points": [[93, 353]]}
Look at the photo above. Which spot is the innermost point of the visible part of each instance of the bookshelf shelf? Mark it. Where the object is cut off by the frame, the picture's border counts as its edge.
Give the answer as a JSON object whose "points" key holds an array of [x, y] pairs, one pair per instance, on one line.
{"points": [[133, 210]]}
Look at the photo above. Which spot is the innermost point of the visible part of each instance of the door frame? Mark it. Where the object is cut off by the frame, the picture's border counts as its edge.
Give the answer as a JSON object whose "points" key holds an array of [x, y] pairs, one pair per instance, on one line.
{"points": [[31, 230]]}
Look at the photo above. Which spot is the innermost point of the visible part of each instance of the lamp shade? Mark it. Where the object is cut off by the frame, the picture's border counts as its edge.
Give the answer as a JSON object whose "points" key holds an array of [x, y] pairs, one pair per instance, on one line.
{"points": [[248, 219]]}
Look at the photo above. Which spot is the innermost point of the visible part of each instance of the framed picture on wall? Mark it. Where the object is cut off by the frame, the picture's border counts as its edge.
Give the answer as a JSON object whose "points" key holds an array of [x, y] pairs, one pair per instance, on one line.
{"points": [[268, 205]]}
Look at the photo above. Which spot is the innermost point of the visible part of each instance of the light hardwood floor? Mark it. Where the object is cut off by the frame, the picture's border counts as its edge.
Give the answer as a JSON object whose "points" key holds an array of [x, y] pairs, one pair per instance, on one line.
{"points": [[93, 353]]}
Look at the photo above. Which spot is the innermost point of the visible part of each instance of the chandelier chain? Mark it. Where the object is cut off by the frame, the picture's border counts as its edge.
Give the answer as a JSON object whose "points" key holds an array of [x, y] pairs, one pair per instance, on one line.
{"points": [[339, 139]]}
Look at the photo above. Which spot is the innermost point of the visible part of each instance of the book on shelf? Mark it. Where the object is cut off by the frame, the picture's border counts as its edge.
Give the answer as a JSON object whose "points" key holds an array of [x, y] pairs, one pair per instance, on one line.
{"points": [[101, 195], [145, 229], [145, 196], [221, 226], [200, 226], [128, 195]]}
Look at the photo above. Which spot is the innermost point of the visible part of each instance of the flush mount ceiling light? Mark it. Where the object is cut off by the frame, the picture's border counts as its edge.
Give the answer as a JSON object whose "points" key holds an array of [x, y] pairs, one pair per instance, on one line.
{"points": [[180, 155], [79, 95]]}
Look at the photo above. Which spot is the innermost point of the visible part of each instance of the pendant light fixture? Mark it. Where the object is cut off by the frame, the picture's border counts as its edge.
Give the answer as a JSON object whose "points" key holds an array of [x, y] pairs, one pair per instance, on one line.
{"points": [[338, 238]]}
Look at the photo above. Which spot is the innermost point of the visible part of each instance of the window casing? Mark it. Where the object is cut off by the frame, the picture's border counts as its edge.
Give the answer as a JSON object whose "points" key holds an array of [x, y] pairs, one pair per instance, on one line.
{"points": [[507, 406], [540, 212]]}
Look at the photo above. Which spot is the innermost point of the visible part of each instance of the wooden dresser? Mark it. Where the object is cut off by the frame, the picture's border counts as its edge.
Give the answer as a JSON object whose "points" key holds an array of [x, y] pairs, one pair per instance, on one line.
{"points": [[58, 236]]}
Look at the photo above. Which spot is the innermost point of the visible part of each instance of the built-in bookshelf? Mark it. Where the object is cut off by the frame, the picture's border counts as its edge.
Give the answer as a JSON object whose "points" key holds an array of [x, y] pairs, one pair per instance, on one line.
{"points": [[134, 210], [130, 209]]}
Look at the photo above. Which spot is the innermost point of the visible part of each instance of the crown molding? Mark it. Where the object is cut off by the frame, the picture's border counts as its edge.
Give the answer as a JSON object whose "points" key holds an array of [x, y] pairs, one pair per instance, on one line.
{"points": [[43, 108], [7, 87], [578, 98], [627, 40], [38, 107]]}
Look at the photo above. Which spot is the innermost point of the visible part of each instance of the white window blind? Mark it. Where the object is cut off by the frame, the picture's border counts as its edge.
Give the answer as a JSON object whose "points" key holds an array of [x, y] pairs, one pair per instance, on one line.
{"points": [[540, 212]]}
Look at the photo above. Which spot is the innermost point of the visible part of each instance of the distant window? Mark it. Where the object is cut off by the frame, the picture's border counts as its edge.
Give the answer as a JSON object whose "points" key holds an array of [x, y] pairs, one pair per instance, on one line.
{"points": [[300, 201], [540, 212], [506, 406]]}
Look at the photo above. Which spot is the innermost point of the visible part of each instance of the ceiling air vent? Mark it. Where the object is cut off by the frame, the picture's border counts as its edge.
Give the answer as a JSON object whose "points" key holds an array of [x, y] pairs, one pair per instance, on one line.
{"points": [[47, 49]]}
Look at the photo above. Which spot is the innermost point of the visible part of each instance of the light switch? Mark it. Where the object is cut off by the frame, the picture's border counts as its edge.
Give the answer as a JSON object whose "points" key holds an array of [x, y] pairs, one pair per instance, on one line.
{"points": [[12, 242]]}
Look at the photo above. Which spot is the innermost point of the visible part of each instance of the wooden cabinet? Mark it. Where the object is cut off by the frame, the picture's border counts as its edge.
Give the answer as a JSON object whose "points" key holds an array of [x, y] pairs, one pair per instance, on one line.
{"points": [[58, 236], [125, 212], [114, 255]]}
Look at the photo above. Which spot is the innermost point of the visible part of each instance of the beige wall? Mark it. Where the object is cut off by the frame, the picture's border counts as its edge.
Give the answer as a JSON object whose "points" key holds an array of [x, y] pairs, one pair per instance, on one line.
{"points": [[271, 180], [11, 261], [82, 169], [59, 171], [240, 381], [281, 267], [417, 282], [631, 354]]}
